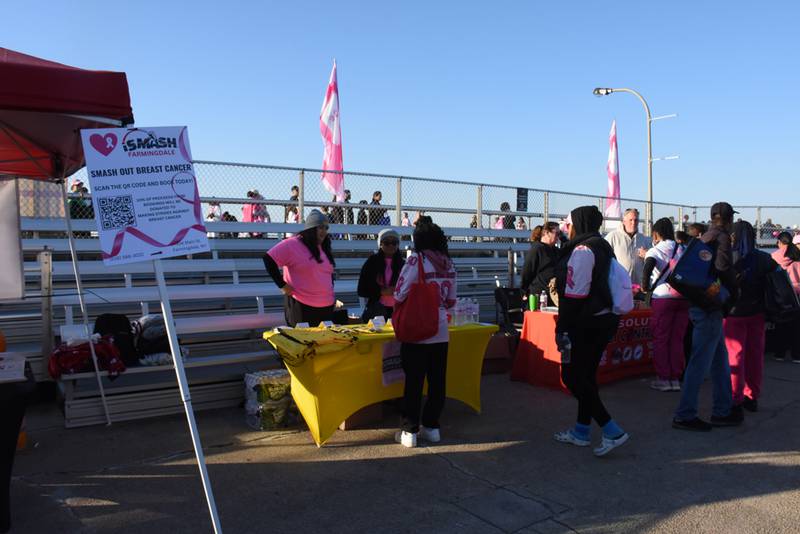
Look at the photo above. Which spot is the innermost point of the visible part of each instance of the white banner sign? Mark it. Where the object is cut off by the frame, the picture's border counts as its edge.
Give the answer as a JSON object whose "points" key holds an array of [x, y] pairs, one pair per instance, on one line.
{"points": [[12, 276], [144, 193]]}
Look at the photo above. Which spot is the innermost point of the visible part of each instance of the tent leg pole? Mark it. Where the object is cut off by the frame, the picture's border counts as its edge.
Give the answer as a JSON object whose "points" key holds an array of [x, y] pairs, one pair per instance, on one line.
{"points": [[82, 302], [177, 358]]}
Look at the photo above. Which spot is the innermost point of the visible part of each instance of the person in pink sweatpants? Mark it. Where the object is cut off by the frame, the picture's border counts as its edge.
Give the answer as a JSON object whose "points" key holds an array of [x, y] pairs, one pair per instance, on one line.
{"points": [[744, 327], [670, 310], [744, 339]]}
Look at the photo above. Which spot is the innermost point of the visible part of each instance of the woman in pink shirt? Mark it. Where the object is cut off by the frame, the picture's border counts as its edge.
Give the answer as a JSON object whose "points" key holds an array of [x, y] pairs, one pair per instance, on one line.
{"points": [[788, 334], [379, 276], [426, 358], [307, 279]]}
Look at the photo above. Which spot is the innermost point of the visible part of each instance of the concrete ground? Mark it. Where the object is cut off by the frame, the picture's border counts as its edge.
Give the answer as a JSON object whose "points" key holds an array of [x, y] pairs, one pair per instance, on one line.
{"points": [[499, 471]]}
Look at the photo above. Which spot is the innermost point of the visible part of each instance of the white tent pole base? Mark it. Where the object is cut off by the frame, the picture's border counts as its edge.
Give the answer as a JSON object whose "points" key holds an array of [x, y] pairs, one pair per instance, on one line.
{"points": [[82, 302], [177, 359]]}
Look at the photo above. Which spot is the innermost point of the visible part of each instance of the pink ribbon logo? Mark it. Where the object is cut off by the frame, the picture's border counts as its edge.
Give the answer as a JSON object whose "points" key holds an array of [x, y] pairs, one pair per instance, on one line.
{"points": [[104, 144]]}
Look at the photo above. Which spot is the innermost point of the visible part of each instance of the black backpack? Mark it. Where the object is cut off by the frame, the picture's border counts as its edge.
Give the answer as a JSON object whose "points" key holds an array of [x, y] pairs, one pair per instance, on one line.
{"points": [[780, 300], [119, 326]]}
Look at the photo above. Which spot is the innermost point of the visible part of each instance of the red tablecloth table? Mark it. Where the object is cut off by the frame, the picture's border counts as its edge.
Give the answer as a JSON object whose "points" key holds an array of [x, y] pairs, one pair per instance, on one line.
{"points": [[538, 361]]}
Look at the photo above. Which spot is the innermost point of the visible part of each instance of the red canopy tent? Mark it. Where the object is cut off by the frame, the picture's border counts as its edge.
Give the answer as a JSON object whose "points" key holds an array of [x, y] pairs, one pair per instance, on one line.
{"points": [[44, 104], [43, 107]]}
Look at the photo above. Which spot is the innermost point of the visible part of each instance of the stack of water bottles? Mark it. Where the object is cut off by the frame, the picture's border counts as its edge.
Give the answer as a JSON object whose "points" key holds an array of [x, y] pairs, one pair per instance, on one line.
{"points": [[466, 311]]}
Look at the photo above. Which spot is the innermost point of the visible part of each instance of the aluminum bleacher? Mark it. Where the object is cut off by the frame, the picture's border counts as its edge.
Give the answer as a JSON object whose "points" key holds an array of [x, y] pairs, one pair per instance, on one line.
{"points": [[222, 301]]}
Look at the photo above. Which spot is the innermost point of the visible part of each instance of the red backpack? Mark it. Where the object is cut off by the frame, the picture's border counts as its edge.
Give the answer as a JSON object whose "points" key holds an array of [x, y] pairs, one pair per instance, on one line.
{"points": [[417, 317]]}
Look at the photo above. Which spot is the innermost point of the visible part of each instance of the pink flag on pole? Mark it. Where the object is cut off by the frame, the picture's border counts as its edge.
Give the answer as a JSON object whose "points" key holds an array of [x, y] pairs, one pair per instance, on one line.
{"points": [[332, 139], [613, 208]]}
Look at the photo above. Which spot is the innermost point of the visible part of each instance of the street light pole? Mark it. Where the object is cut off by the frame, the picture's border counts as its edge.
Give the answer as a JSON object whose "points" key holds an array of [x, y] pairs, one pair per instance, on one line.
{"points": [[603, 91]]}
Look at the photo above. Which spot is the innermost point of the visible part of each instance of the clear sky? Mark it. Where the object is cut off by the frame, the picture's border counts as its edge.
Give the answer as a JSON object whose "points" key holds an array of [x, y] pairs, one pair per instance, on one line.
{"points": [[499, 92]]}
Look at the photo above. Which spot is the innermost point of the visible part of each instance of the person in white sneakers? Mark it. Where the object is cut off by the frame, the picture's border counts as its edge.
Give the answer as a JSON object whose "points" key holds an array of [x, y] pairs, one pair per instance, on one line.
{"points": [[426, 358], [585, 326], [670, 309]]}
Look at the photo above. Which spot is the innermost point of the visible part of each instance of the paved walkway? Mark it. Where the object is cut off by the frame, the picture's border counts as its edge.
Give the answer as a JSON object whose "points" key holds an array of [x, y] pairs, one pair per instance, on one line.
{"points": [[495, 472]]}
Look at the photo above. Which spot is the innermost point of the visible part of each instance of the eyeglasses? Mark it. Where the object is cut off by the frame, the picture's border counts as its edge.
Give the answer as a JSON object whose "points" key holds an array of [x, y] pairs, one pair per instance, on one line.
{"points": [[390, 243]]}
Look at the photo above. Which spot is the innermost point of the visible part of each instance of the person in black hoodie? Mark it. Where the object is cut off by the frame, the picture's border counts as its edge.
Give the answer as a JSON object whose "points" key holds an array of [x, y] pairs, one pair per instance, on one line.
{"points": [[541, 259], [586, 325], [379, 275], [744, 327]]}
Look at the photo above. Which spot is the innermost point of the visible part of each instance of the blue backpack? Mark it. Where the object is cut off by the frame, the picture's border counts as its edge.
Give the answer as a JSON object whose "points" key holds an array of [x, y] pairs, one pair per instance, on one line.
{"points": [[695, 277]]}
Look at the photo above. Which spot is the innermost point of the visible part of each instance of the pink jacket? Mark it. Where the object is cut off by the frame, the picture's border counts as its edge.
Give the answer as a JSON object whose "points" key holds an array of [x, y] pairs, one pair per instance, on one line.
{"points": [[791, 267]]}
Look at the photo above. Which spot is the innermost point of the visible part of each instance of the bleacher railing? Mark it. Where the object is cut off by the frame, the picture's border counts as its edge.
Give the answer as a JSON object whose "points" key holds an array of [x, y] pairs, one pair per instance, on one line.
{"points": [[227, 187]]}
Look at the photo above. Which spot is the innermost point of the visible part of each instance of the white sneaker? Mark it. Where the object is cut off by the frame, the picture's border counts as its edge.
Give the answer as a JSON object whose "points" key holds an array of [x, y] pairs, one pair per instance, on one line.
{"points": [[406, 439], [610, 444], [430, 434], [568, 437], [676, 385], [661, 385]]}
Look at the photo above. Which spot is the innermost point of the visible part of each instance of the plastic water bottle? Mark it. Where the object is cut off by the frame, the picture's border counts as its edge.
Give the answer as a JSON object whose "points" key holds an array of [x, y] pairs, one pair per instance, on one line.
{"points": [[566, 349], [543, 300]]}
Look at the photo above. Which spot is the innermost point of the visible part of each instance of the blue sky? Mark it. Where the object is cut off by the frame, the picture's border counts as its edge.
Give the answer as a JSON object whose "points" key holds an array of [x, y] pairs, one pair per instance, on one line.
{"points": [[496, 92]]}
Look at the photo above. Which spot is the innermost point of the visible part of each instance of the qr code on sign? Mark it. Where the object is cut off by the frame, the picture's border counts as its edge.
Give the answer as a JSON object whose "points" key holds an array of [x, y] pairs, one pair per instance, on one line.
{"points": [[116, 212]]}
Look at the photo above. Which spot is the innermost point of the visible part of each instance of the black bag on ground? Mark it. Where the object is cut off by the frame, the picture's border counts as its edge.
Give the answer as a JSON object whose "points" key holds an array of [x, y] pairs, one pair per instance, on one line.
{"points": [[119, 326], [780, 300]]}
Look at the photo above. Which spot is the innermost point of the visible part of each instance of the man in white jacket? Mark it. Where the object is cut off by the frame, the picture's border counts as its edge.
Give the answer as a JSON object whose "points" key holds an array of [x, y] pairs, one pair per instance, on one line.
{"points": [[629, 245]]}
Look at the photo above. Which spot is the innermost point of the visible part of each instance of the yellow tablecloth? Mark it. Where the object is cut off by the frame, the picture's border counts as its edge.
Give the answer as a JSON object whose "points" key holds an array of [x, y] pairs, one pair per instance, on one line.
{"points": [[329, 388]]}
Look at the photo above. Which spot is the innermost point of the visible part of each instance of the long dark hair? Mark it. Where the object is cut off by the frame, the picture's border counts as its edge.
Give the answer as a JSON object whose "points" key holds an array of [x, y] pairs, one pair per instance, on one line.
{"points": [[428, 236], [792, 252], [309, 238], [664, 228]]}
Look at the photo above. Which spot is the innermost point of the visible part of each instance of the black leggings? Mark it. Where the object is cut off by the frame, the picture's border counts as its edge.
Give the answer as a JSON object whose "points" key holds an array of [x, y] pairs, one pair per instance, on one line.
{"points": [[12, 409], [580, 375], [297, 312], [421, 361]]}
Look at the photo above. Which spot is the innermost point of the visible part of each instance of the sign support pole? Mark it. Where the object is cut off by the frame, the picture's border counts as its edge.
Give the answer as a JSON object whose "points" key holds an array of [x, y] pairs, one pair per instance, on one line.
{"points": [[82, 301], [177, 359]]}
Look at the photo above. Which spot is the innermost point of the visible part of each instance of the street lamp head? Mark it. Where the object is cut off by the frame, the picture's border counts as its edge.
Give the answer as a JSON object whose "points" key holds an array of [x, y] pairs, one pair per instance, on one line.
{"points": [[602, 91]]}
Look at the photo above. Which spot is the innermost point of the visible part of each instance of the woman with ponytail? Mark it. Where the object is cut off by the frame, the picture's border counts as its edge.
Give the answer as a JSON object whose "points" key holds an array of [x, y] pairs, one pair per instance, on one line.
{"points": [[788, 334]]}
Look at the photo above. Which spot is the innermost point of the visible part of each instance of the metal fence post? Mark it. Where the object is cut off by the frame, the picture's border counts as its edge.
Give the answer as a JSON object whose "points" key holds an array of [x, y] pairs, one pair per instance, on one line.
{"points": [[546, 208], [301, 197], [46, 288], [680, 218], [758, 223], [694, 213], [399, 219], [479, 211], [603, 211], [510, 268]]}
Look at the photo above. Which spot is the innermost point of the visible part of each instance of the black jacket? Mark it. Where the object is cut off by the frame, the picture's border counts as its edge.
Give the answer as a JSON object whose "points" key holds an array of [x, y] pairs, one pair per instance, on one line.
{"points": [[538, 269], [572, 312], [376, 214], [752, 275], [719, 239], [372, 271]]}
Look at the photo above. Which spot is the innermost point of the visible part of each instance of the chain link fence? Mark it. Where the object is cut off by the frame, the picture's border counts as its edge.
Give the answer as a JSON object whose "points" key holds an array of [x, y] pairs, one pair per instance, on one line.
{"points": [[384, 200]]}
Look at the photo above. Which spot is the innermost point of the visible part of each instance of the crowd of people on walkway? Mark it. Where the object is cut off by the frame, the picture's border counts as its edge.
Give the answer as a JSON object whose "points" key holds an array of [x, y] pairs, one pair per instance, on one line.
{"points": [[694, 336]]}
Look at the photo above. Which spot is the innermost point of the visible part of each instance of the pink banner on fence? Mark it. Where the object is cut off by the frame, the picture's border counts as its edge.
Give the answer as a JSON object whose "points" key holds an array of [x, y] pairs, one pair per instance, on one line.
{"points": [[332, 139]]}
